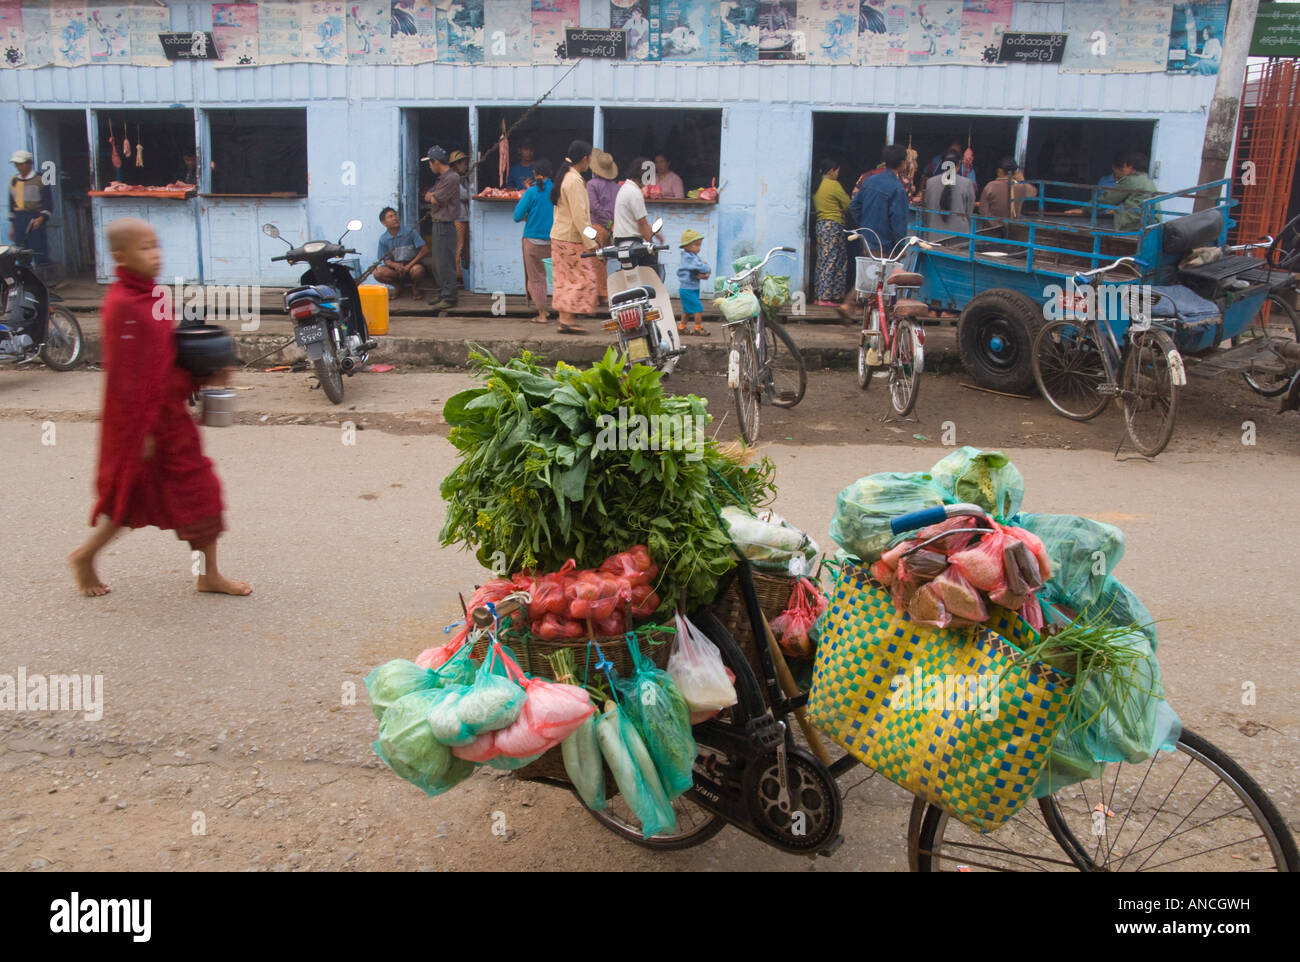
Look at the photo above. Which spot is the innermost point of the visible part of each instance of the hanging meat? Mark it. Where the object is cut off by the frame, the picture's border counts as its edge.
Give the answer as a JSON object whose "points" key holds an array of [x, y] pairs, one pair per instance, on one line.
{"points": [[503, 162], [126, 143], [117, 158], [139, 148]]}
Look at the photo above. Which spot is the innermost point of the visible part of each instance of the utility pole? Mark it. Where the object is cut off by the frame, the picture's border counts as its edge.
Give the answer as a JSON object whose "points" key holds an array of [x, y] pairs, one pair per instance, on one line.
{"points": [[1221, 124]]}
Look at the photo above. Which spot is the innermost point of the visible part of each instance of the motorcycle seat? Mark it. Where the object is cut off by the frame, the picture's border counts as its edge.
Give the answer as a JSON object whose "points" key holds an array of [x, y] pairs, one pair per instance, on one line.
{"points": [[639, 293], [905, 307], [321, 292]]}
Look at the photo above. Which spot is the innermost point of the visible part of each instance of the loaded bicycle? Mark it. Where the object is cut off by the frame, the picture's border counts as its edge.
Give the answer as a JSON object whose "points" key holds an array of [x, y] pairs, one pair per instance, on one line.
{"points": [[763, 362], [1193, 809]]}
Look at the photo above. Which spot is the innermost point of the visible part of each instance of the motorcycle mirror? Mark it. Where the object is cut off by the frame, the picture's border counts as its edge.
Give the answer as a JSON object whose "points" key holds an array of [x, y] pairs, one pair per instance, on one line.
{"points": [[270, 230], [589, 232], [657, 225], [354, 224]]}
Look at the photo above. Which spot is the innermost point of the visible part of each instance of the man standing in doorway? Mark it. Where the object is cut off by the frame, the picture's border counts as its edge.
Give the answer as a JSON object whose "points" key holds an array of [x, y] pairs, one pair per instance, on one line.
{"points": [[879, 213], [444, 198], [30, 202]]}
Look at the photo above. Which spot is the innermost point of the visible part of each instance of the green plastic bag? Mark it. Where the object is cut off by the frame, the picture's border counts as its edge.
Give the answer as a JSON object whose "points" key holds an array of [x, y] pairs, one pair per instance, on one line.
{"points": [[634, 772], [407, 745], [1117, 604], [459, 669], [1083, 552], [775, 290], [394, 679], [986, 478], [655, 706], [444, 718], [584, 764], [865, 508], [493, 701]]}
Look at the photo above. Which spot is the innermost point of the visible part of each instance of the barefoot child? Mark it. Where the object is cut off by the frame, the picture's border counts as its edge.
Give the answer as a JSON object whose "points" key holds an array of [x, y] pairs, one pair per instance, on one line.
{"points": [[690, 271], [151, 466]]}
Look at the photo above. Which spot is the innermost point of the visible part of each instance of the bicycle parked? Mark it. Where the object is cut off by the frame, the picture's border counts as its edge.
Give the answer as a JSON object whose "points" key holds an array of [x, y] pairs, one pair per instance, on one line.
{"points": [[763, 360], [890, 337]]}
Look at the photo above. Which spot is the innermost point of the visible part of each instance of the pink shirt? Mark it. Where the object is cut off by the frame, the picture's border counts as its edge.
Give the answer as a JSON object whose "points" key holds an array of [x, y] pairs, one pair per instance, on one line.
{"points": [[670, 185]]}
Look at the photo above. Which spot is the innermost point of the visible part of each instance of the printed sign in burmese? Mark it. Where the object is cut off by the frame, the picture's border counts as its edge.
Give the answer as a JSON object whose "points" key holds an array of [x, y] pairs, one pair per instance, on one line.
{"points": [[1277, 31], [1032, 48], [595, 44]]}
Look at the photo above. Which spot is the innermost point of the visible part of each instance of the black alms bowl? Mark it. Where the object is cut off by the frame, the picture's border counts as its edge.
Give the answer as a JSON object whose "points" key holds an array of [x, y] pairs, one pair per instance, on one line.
{"points": [[204, 349]]}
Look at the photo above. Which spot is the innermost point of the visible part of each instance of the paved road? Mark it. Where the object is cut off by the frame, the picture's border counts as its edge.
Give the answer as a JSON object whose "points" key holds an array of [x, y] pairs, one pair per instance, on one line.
{"points": [[229, 714]]}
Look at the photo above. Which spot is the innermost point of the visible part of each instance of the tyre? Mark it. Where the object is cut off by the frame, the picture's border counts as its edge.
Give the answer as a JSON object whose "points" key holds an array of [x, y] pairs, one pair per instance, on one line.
{"points": [[787, 377], [747, 391], [328, 373], [867, 342], [1069, 370], [1191, 810], [694, 825], [996, 337], [64, 346], [1149, 391], [905, 364], [1271, 383]]}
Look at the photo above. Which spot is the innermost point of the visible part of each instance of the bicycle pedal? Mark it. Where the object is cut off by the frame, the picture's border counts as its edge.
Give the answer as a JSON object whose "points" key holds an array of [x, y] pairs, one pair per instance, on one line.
{"points": [[765, 731], [787, 395]]}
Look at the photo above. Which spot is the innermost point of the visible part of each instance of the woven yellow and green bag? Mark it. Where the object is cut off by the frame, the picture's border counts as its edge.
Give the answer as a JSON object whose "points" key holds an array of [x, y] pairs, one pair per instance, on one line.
{"points": [[957, 716]]}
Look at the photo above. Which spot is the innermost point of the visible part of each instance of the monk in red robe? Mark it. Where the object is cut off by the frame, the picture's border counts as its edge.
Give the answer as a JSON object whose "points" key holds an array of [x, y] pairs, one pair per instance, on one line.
{"points": [[151, 465]]}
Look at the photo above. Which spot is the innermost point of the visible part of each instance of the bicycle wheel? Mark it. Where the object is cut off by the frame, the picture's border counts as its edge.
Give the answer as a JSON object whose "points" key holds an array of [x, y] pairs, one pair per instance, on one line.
{"points": [[867, 343], [1149, 391], [743, 373], [1069, 371], [905, 364], [1190, 810], [783, 368], [1275, 379], [694, 825]]}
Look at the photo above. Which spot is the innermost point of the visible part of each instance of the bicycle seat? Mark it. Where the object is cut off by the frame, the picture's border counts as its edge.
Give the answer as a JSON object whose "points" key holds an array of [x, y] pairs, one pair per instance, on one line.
{"points": [[906, 307], [640, 293], [905, 279]]}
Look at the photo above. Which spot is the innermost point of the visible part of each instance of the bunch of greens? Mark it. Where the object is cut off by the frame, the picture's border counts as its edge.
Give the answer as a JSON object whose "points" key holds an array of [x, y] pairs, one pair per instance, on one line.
{"points": [[545, 474]]}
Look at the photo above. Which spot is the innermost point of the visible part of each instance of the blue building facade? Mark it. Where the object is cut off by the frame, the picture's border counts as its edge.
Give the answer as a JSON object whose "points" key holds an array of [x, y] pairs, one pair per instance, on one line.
{"points": [[363, 136]]}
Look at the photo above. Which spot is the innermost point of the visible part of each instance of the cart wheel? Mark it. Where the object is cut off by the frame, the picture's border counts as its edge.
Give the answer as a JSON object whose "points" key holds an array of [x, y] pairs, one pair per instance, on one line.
{"points": [[996, 336]]}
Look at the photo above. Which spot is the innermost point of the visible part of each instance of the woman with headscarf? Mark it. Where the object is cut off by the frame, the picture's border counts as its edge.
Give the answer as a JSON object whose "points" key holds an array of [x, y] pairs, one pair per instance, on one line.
{"points": [[575, 275]]}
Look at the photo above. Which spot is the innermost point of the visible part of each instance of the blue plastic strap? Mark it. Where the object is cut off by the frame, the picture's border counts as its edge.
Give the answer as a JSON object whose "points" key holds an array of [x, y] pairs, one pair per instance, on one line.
{"points": [[918, 519], [447, 628]]}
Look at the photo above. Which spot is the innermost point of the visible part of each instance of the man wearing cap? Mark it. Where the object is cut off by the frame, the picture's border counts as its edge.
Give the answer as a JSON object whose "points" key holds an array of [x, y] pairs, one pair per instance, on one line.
{"points": [[444, 198], [30, 202], [602, 190], [1004, 197], [460, 164]]}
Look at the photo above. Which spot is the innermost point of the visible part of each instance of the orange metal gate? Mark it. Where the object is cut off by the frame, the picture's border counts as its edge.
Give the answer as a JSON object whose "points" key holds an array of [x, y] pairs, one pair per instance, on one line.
{"points": [[1268, 137]]}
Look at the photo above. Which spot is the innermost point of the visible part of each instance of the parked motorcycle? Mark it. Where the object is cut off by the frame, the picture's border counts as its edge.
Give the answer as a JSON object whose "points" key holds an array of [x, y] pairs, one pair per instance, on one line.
{"points": [[326, 310], [29, 326], [641, 313]]}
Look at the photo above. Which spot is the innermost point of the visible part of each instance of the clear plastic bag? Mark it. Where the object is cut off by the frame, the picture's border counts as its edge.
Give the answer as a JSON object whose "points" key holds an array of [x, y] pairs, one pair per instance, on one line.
{"points": [[696, 667], [657, 708], [634, 772], [865, 508]]}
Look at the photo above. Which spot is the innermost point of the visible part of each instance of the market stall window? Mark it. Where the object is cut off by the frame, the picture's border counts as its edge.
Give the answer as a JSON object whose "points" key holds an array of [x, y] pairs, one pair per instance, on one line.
{"points": [[931, 135], [448, 127], [689, 140], [547, 133], [1080, 150], [143, 148], [259, 152]]}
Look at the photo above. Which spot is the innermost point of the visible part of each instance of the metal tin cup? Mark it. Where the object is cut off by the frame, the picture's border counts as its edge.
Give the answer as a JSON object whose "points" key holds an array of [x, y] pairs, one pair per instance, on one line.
{"points": [[218, 407]]}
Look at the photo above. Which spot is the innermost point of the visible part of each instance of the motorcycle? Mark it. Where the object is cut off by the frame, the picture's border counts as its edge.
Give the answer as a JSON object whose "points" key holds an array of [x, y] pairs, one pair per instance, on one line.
{"points": [[29, 326], [641, 313], [326, 310]]}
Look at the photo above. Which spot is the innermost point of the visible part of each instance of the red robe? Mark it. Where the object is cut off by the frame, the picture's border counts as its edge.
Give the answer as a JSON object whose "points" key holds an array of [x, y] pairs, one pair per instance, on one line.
{"points": [[144, 394]]}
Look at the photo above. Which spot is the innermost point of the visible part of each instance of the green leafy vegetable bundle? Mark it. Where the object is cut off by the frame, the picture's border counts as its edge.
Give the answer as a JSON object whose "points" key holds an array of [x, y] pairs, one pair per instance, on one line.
{"points": [[558, 464]]}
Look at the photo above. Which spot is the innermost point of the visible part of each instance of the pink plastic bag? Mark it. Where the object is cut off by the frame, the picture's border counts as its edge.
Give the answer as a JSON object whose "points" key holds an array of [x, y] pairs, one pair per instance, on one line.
{"points": [[959, 597], [1032, 612], [982, 564], [953, 543], [482, 749], [551, 713], [926, 607]]}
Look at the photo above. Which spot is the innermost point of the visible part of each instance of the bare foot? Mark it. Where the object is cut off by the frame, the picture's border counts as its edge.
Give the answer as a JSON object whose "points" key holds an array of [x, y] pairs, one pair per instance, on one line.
{"points": [[83, 568], [220, 584]]}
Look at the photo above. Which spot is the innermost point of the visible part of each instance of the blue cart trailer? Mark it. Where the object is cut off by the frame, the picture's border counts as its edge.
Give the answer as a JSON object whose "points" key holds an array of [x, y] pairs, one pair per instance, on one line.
{"points": [[1009, 276]]}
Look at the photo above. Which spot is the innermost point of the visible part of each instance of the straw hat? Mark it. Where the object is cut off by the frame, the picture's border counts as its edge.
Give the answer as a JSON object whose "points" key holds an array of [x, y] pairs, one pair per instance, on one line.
{"points": [[602, 165], [456, 156], [690, 236]]}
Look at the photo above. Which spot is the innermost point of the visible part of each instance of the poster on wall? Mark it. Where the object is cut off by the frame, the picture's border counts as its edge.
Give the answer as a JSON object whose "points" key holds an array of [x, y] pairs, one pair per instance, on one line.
{"points": [[13, 43], [550, 19], [324, 35], [368, 32], [68, 33], [234, 28], [738, 32], [779, 36], [508, 31], [883, 29], [1116, 36], [935, 35], [37, 38], [983, 22], [280, 31], [108, 30], [148, 19], [414, 32], [460, 31], [830, 29], [1196, 37], [683, 29], [633, 17]]}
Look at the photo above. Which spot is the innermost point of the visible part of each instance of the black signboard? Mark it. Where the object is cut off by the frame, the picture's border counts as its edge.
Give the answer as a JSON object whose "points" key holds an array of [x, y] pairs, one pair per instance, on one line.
{"points": [[1031, 48], [195, 45], [595, 44]]}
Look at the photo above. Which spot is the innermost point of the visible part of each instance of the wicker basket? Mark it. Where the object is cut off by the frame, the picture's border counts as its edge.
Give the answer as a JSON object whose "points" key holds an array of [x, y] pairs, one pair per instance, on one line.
{"points": [[773, 598]]}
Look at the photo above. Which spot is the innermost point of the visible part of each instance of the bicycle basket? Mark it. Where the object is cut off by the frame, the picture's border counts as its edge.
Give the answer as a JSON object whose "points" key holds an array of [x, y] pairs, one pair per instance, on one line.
{"points": [[870, 270], [738, 307]]}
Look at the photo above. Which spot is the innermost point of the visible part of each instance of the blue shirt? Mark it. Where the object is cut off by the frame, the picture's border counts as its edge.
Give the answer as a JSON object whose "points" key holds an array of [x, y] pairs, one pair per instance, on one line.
{"points": [[881, 207], [518, 174], [536, 211], [690, 266], [407, 237], [1107, 181]]}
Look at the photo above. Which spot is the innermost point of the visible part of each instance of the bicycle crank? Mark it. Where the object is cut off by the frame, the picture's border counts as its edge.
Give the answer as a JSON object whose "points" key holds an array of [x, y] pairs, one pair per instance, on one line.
{"points": [[799, 812]]}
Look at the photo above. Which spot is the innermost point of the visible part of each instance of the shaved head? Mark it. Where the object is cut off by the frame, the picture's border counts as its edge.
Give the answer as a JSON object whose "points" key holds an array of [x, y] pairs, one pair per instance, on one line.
{"points": [[127, 232]]}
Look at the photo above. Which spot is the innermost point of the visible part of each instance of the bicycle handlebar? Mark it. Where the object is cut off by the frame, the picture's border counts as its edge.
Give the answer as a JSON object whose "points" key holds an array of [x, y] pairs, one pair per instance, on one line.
{"points": [[1107, 267], [738, 278], [1266, 242], [928, 516]]}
